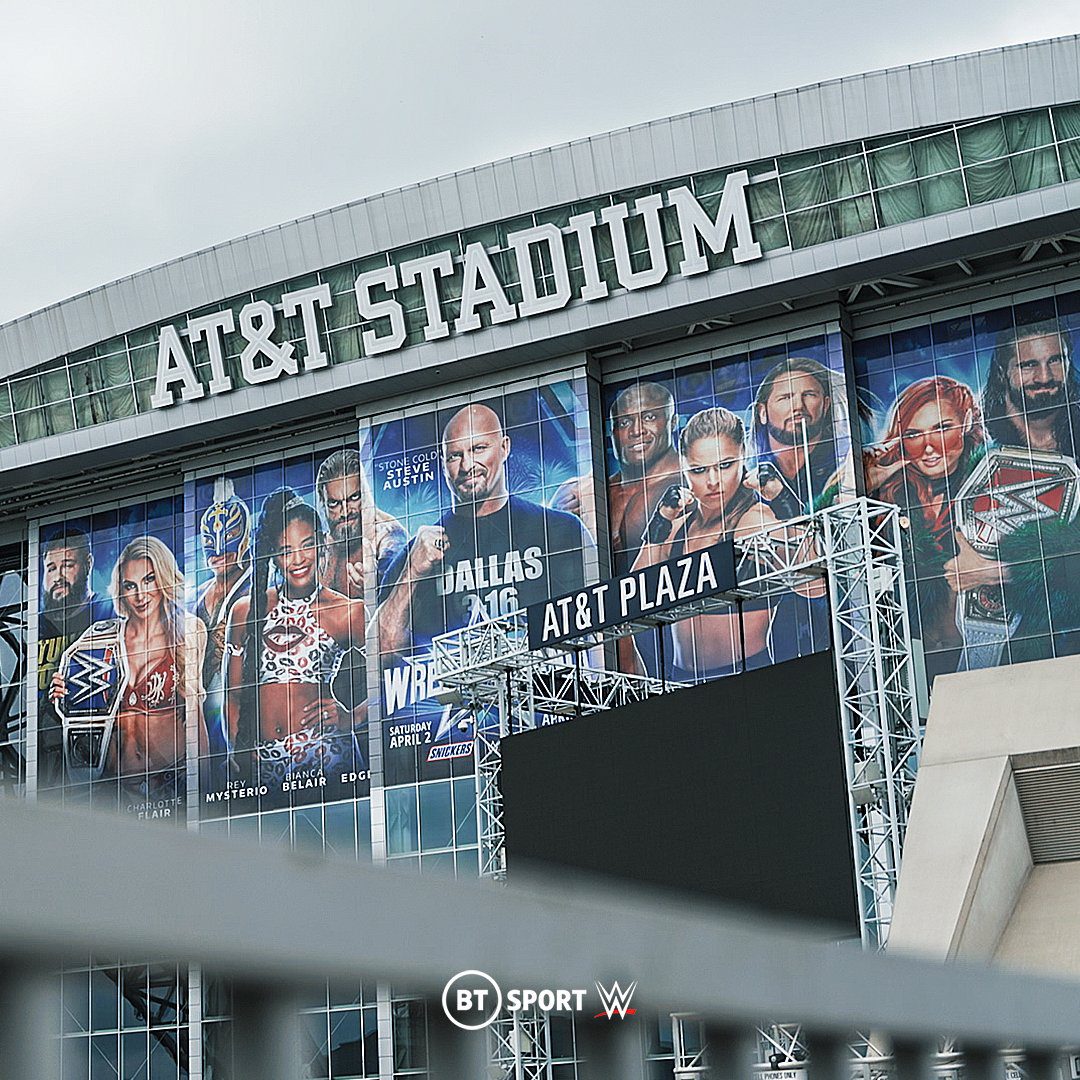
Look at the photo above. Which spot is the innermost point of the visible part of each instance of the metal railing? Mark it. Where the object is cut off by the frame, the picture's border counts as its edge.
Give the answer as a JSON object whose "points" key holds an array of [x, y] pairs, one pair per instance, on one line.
{"points": [[74, 884]]}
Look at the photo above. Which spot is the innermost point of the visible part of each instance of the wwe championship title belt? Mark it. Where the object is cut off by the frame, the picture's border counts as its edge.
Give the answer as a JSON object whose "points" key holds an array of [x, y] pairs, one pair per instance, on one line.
{"points": [[1009, 488], [94, 670]]}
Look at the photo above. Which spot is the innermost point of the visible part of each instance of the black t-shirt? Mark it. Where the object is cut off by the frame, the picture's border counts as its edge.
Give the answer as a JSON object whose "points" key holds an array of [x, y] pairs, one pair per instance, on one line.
{"points": [[495, 564]]}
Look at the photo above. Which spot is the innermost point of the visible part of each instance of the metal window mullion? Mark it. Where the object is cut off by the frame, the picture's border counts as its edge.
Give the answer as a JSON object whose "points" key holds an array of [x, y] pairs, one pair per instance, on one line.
{"points": [[1057, 146], [960, 162]]}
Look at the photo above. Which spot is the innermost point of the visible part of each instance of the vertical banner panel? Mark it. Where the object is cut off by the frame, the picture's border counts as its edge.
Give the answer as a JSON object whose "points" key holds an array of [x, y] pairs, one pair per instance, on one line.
{"points": [[492, 495], [278, 569], [119, 659], [709, 448], [971, 423]]}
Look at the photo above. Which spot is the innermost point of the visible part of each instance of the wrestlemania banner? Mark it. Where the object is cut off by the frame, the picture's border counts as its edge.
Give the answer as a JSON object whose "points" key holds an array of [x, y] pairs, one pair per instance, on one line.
{"points": [[278, 570], [971, 425], [712, 449], [476, 506], [119, 657]]}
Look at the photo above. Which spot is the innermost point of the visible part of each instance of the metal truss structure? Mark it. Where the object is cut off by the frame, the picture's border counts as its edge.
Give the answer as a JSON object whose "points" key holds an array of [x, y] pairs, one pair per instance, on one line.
{"points": [[850, 552]]}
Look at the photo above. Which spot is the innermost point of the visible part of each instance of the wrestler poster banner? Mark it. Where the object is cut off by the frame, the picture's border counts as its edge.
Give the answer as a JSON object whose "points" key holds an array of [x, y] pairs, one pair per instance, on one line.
{"points": [[277, 582], [971, 424], [717, 448], [119, 659], [477, 501]]}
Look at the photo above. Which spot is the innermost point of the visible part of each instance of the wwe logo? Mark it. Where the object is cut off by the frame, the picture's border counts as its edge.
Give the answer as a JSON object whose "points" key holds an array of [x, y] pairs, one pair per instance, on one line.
{"points": [[93, 676], [616, 1000]]}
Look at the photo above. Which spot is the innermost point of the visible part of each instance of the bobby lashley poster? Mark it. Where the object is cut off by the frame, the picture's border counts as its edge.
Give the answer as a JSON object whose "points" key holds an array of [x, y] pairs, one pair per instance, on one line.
{"points": [[119, 659], [474, 485], [278, 584]]}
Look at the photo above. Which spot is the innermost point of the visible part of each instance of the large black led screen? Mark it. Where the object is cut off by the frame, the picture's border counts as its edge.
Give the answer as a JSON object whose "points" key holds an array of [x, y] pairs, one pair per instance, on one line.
{"points": [[732, 790]]}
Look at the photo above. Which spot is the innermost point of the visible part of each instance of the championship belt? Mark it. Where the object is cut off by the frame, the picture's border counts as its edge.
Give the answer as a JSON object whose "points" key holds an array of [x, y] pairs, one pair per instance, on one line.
{"points": [[1009, 488], [94, 670]]}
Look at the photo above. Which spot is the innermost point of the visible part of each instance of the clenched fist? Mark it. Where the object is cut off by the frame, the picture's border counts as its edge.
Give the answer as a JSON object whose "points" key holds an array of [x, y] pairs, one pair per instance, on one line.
{"points": [[429, 548]]}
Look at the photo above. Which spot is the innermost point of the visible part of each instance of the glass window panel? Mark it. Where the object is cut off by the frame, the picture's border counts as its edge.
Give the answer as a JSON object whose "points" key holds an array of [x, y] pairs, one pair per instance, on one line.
{"points": [[941, 193], [935, 154], [805, 188], [1027, 131], [87, 377], [76, 998], [54, 385], [846, 177], [75, 1058], [772, 234], [983, 141], [345, 346], [135, 1056], [1070, 159], [1037, 169], [898, 204], [316, 1058], [90, 410], [892, 165], [410, 1041], [402, 829], [710, 182], [144, 362], [340, 829], [104, 1057], [134, 989], [143, 392], [465, 811], [104, 1000], [1067, 121], [436, 826], [993, 180], [363, 829], [764, 199], [346, 1044], [442, 862], [810, 227], [162, 1063], [119, 402], [148, 335], [852, 216], [59, 418], [794, 162], [307, 827], [840, 150], [26, 393]]}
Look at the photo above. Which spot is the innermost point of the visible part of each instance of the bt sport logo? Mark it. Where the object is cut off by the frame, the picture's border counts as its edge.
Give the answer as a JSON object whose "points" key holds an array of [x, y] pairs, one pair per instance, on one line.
{"points": [[473, 1000]]}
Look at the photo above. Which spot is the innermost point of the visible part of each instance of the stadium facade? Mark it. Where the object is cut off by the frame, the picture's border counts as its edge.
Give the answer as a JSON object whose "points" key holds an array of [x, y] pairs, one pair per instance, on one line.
{"points": [[242, 491]]}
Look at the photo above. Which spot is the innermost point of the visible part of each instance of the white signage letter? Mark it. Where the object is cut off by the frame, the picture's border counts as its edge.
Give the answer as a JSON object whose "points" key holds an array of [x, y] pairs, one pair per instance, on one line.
{"points": [[595, 287], [615, 219], [212, 327], [380, 309], [481, 286], [306, 300], [174, 366], [532, 302], [257, 324], [695, 223], [426, 270]]}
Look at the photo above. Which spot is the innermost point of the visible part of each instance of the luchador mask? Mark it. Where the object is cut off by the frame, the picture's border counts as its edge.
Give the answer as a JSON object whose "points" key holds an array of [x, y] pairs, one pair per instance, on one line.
{"points": [[226, 523]]}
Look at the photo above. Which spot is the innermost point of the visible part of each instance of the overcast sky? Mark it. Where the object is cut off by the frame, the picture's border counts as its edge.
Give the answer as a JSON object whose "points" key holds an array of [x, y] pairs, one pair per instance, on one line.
{"points": [[135, 132]]}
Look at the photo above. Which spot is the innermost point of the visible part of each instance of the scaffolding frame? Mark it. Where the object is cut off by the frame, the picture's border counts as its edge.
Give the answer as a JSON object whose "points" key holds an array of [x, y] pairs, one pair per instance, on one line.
{"points": [[853, 551]]}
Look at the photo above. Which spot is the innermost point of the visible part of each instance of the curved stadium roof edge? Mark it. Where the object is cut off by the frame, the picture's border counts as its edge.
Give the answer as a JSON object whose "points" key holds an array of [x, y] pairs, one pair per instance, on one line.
{"points": [[924, 94]]}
